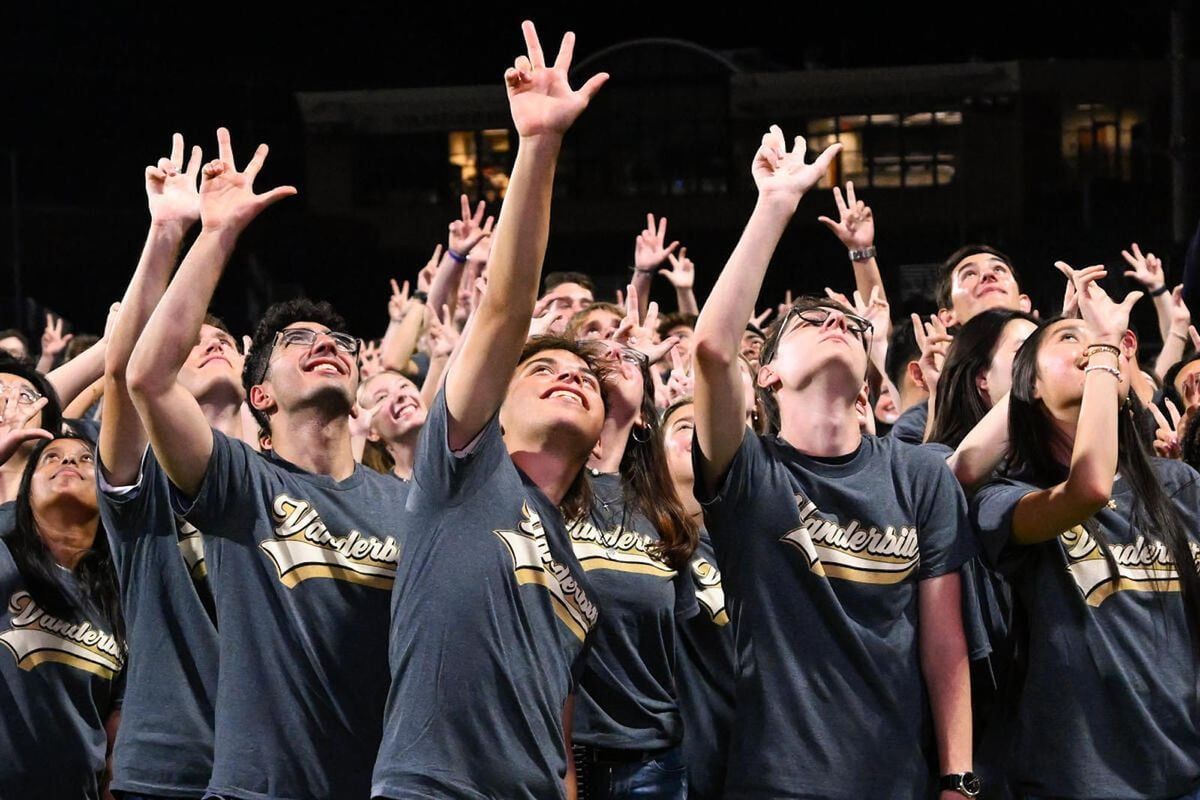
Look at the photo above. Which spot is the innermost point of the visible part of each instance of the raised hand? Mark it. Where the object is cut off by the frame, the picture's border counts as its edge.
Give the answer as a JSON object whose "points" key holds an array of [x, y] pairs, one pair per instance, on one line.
{"points": [[761, 317], [227, 198], [786, 305], [855, 226], [1108, 318], [171, 191], [541, 98], [650, 248], [1168, 433], [470, 230], [14, 422], [399, 304], [783, 175], [1146, 269], [1179, 317], [54, 341], [443, 336], [427, 273], [640, 334], [934, 342], [680, 383], [682, 273]]}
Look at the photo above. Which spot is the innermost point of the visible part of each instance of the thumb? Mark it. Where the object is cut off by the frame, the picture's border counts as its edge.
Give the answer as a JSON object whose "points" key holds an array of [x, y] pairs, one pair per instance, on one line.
{"points": [[589, 89], [1132, 298], [275, 195]]}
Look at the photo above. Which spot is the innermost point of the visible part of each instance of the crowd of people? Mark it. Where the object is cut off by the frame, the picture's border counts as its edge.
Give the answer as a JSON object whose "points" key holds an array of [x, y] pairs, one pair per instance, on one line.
{"points": [[536, 544]]}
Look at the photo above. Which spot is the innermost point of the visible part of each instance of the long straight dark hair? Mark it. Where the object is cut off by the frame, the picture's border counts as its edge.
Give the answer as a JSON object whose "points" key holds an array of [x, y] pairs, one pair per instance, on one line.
{"points": [[95, 573], [1153, 512], [960, 405], [648, 488]]}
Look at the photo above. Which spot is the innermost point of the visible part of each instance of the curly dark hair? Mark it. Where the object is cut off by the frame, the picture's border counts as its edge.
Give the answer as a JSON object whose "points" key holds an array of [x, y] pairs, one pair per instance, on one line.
{"points": [[276, 318]]}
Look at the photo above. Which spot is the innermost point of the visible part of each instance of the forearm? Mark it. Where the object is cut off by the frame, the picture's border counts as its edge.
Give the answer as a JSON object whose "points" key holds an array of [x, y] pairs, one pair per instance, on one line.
{"points": [[45, 363], [122, 438], [433, 379], [400, 340], [685, 300], [1094, 456], [731, 302], [444, 289], [866, 278], [945, 667], [172, 329], [85, 400], [641, 281], [982, 450], [79, 373], [1172, 351], [1162, 310], [491, 344]]}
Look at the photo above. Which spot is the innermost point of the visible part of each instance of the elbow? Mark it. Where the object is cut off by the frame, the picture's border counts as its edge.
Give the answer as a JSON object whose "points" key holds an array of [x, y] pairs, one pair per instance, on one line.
{"points": [[1091, 495], [139, 375], [709, 351]]}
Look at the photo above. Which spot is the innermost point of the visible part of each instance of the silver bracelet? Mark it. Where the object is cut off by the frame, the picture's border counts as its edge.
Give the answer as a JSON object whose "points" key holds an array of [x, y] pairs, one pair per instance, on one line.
{"points": [[1103, 368], [866, 254]]}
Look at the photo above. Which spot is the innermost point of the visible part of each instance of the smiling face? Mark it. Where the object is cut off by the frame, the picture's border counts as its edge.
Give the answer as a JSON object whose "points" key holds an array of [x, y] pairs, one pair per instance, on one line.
{"points": [[395, 406], [678, 428], [321, 374], [214, 365], [65, 472], [979, 282], [1061, 358], [624, 381], [554, 400]]}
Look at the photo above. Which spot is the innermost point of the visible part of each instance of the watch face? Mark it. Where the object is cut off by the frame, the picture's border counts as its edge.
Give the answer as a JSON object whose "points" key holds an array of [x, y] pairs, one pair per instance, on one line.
{"points": [[971, 783]]}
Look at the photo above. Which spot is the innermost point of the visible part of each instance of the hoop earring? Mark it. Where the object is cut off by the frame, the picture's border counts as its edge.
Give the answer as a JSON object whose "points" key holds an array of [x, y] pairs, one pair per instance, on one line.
{"points": [[645, 433]]}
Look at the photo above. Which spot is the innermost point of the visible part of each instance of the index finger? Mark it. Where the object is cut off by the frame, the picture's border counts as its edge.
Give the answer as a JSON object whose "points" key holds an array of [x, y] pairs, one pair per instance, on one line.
{"points": [[533, 45], [843, 210], [1158, 416], [395, 288], [464, 207], [851, 199], [918, 331]]}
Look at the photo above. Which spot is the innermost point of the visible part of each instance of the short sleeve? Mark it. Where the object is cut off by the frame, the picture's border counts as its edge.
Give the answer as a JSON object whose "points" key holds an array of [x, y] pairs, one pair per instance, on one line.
{"points": [[991, 512], [127, 506], [225, 504], [944, 533], [733, 487], [445, 476]]}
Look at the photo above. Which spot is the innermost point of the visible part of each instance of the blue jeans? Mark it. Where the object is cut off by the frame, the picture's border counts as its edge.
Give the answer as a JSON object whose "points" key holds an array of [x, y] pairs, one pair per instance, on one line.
{"points": [[662, 778]]}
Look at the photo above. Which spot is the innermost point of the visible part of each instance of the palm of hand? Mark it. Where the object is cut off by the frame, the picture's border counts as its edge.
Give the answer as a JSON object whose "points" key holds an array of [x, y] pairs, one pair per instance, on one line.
{"points": [[860, 234], [790, 177], [226, 198], [648, 252], [545, 103], [174, 199]]}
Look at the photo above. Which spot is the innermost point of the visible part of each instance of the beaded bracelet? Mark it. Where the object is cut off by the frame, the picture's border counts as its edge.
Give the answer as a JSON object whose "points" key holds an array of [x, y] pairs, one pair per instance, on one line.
{"points": [[1103, 368]]}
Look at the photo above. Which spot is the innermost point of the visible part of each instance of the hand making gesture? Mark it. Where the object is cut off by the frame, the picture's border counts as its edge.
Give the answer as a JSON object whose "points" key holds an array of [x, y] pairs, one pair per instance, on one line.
{"points": [[171, 191], [783, 175], [470, 230], [227, 198], [540, 98], [855, 226]]}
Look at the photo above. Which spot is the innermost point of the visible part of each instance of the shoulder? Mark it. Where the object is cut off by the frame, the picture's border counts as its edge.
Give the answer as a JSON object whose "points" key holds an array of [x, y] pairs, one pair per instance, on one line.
{"points": [[1173, 474]]}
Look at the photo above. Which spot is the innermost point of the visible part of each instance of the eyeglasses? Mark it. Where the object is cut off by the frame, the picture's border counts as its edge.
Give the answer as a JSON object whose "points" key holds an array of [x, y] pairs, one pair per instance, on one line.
{"points": [[25, 395], [305, 337], [818, 316]]}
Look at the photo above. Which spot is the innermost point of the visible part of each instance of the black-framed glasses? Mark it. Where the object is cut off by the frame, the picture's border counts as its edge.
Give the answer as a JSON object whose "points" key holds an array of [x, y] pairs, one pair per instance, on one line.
{"points": [[818, 316], [305, 337]]}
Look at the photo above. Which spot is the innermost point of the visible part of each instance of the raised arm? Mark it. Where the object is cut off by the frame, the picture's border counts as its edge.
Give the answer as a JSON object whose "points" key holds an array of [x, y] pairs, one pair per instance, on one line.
{"points": [[682, 276], [855, 228], [1147, 270], [782, 178], [174, 207], [178, 430], [1044, 514], [465, 233], [543, 107], [406, 321]]}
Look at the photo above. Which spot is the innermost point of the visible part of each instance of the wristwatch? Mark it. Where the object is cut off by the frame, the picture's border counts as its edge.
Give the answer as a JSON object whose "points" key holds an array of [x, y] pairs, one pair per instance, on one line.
{"points": [[965, 783]]}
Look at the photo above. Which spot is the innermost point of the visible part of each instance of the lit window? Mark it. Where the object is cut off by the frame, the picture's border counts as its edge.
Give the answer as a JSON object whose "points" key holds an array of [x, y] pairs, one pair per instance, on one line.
{"points": [[1097, 140], [914, 149], [482, 161]]}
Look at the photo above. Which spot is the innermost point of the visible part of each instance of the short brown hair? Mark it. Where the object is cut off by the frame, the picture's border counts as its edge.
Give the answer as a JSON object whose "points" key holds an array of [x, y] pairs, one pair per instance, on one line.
{"points": [[945, 276]]}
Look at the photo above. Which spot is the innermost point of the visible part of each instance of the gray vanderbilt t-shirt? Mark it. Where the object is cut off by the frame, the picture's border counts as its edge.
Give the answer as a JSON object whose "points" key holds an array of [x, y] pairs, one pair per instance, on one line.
{"points": [[626, 698], [1109, 706], [59, 681], [706, 679], [910, 427], [165, 740], [490, 616], [821, 561], [303, 568]]}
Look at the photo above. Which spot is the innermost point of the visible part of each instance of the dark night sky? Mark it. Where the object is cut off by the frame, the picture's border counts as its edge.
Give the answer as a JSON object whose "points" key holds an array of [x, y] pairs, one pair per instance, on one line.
{"points": [[92, 95]]}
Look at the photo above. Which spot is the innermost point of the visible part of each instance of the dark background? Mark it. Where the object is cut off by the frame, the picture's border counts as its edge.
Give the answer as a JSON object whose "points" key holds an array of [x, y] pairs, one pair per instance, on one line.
{"points": [[92, 95]]}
